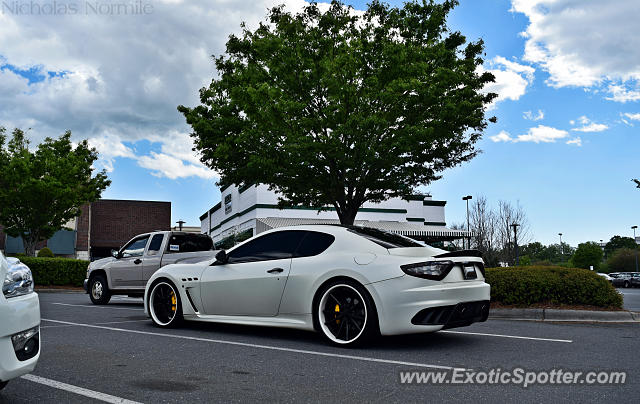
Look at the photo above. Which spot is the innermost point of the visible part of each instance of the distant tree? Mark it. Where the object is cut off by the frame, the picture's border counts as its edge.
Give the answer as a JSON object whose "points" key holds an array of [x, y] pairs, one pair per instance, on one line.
{"points": [[617, 242], [622, 260], [482, 221], [535, 251], [458, 244], [506, 215], [586, 255], [337, 108], [42, 190]]}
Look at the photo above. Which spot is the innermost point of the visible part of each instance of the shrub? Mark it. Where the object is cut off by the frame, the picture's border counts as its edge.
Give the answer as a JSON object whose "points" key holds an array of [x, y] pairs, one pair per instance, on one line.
{"points": [[56, 271], [622, 260], [45, 253], [524, 286]]}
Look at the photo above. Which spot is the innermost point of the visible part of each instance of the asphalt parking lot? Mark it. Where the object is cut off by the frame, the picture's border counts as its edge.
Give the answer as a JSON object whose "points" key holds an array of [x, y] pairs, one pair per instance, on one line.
{"points": [[631, 298], [113, 353]]}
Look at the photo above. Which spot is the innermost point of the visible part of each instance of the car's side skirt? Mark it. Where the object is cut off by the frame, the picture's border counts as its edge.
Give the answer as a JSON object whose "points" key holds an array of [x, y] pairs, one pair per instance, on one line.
{"points": [[298, 321]]}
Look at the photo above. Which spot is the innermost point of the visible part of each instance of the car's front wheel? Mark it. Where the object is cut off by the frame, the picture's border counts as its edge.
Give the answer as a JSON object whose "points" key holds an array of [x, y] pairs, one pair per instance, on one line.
{"points": [[99, 290], [345, 313], [164, 303]]}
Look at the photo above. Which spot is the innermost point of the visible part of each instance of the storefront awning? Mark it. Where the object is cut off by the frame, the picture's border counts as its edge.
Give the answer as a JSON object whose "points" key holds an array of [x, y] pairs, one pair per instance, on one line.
{"points": [[413, 230]]}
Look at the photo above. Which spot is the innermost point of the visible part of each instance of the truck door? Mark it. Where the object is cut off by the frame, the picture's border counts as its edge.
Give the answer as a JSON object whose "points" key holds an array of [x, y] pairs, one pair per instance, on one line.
{"points": [[153, 257], [126, 271]]}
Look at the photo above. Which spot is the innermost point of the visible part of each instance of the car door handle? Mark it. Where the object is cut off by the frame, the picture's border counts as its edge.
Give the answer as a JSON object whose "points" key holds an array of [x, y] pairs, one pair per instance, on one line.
{"points": [[275, 270], [137, 261]]}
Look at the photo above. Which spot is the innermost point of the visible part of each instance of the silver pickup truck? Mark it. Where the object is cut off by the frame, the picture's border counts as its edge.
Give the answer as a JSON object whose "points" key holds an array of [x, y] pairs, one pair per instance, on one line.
{"points": [[127, 271]]}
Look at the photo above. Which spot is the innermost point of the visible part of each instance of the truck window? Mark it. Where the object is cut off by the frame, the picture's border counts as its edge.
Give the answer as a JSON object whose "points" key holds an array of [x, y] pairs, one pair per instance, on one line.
{"points": [[135, 248], [189, 243], [155, 245]]}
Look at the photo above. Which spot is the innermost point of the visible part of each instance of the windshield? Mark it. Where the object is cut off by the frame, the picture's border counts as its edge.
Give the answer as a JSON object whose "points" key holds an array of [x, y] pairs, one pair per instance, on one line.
{"points": [[384, 238]]}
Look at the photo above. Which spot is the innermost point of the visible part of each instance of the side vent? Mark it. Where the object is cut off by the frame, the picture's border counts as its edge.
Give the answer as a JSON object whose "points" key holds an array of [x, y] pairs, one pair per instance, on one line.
{"points": [[191, 301]]}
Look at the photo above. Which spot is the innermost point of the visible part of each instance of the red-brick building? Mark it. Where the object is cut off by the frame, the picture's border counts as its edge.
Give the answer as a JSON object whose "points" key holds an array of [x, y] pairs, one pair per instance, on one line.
{"points": [[102, 226]]}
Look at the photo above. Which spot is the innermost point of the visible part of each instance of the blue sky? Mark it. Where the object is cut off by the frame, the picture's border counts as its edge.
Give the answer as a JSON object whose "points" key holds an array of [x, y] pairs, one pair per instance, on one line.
{"points": [[565, 145]]}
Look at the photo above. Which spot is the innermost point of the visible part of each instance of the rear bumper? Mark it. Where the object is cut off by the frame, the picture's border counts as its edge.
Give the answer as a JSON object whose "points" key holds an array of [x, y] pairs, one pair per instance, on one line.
{"points": [[17, 314], [408, 304]]}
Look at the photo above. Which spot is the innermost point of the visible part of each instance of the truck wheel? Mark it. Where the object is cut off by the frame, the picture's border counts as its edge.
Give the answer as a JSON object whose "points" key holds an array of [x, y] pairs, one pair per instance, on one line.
{"points": [[98, 290], [626, 284], [3, 385]]}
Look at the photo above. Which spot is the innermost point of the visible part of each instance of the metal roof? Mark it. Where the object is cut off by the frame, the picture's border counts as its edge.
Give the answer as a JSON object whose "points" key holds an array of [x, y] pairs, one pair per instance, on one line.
{"points": [[403, 228]]}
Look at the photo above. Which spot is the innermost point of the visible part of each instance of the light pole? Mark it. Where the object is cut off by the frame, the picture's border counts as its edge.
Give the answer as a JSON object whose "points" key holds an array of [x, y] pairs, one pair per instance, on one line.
{"points": [[180, 223], [466, 198], [515, 239], [561, 249], [634, 240]]}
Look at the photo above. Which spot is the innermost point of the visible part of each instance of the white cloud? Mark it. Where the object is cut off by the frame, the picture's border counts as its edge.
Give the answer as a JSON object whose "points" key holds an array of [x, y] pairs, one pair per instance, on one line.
{"points": [[539, 134], [531, 116], [621, 93], [542, 133], [503, 136], [588, 125], [123, 76], [585, 43], [576, 142], [511, 79], [632, 116], [164, 165]]}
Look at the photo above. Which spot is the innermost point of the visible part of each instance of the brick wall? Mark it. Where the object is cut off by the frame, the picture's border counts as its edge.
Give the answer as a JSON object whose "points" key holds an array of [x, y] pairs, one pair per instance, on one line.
{"points": [[114, 222]]}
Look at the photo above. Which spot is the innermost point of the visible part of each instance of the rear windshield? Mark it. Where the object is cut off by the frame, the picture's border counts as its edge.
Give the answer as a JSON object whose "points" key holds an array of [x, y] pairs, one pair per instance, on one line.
{"points": [[384, 238], [189, 243]]}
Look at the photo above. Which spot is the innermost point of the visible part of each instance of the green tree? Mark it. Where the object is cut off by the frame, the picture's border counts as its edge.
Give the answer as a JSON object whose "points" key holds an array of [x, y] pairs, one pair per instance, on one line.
{"points": [[617, 242], [42, 190], [336, 109], [586, 255], [622, 260]]}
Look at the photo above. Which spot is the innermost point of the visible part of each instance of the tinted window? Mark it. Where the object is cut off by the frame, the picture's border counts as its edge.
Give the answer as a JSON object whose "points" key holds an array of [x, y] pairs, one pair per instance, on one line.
{"points": [[156, 242], [189, 243], [314, 243], [135, 248], [384, 238], [271, 246]]}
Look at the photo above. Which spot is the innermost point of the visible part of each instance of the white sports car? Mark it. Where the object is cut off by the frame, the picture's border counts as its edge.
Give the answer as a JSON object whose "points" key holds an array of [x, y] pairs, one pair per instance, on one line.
{"points": [[346, 282]]}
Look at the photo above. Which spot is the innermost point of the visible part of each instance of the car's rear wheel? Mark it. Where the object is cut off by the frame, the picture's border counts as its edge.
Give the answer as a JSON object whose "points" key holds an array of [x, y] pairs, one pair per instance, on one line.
{"points": [[164, 305], [99, 290], [345, 313]]}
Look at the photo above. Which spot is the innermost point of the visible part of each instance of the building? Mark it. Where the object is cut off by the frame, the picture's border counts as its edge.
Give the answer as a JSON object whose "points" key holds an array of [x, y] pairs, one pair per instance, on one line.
{"points": [[102, 226], [250, 210]]}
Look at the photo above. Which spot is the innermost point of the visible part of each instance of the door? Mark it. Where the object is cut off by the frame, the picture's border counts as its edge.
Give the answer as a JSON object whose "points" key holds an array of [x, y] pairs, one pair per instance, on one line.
{"points": [[252, 282], [126, 271], [152, 258]]}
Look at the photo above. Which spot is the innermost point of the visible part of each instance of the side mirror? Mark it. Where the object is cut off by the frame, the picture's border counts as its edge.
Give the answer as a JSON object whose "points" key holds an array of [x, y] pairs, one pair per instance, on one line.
{"points": [[221, 257], [115, 254]]}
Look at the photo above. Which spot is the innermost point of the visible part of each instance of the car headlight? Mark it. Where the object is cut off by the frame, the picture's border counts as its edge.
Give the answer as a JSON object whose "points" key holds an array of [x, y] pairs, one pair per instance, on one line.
{"points": [[434, 270], [17, 282]]}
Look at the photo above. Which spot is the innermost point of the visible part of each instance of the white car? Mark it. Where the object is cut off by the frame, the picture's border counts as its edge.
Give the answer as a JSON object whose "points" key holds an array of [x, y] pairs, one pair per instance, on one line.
{"points": [[346, 282], [19, 321]]}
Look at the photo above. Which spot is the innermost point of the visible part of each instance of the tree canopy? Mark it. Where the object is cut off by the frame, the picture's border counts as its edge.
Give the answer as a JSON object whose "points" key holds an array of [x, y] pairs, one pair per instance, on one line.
{"points": [[338, 108], [41, 190], [586, 255], [617, 242]]}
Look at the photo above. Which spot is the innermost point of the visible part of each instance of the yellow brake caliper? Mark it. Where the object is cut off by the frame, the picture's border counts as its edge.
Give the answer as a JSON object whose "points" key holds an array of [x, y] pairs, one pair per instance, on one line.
{"points": [[173, 301], [337, 310]]}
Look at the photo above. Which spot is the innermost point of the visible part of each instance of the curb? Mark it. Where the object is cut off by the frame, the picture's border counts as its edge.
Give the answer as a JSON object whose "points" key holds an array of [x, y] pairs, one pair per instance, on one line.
{"points": [[590, 316], [46, 290]]}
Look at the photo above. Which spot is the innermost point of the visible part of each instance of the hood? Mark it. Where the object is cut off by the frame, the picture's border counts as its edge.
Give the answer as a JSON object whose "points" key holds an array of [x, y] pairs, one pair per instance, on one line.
{"points": [[101, 262], [426, 251]]}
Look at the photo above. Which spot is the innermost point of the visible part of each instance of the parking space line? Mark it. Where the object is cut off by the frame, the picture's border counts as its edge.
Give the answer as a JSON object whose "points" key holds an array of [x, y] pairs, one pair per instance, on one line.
{"points": [[267, 347], [78, 390], [93, 306], [108, 322], [509, 336]]}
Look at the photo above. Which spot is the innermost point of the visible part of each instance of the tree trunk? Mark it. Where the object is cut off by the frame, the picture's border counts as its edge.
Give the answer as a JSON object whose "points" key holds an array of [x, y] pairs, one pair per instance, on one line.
{"points": [[29, 241], [348, 215]]}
